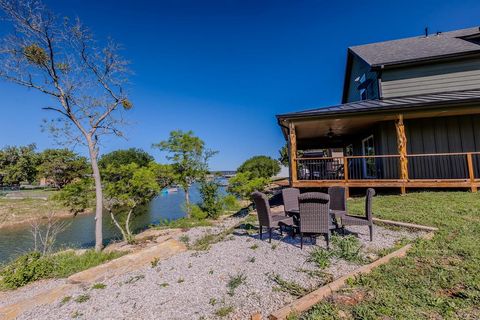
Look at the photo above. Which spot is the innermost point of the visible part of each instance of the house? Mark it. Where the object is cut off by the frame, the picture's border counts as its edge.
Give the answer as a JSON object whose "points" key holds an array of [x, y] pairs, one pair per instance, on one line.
{"points": [[409, 118]]}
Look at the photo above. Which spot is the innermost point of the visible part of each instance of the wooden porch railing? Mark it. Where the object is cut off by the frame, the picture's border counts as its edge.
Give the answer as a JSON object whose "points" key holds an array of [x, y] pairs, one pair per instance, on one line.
{"points": [[423, 170]]}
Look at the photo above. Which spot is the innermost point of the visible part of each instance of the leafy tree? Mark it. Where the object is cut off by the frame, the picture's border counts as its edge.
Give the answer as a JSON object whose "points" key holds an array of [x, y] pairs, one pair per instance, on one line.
{"points": [[61, 59], [77, 196], [260, 167], [61, 166], [164, 173], [189, 158], [244, 183], [211, 200], [122, 157], [284, 158], [18, 164], [126, 188]]}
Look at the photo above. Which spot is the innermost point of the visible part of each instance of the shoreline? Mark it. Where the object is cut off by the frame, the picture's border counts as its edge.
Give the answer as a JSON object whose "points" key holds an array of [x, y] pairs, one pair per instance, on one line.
{"points": [[64, 214]]}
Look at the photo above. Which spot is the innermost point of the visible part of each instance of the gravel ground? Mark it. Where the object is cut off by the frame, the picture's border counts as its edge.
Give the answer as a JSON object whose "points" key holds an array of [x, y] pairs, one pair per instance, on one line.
{"points": [[30, 290], [194, 284]]}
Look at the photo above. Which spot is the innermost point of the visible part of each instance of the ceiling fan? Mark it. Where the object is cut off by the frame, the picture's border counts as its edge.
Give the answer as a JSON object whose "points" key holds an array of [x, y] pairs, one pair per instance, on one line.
{"points": [[330, 134]]}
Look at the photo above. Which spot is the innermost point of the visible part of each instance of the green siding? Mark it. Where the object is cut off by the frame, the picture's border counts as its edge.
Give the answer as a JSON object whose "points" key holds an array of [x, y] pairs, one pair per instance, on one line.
{"points": [[431, 78]]}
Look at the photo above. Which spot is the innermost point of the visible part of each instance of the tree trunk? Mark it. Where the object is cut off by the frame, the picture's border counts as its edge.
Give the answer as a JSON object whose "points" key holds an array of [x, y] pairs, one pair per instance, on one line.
{"points": [[127, 226], [98, 197], [187, 200], [124, 234]]}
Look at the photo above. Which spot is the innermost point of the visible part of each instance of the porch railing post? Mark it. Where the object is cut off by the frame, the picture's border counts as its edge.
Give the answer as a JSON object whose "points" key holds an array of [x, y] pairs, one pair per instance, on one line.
{"points": [[292, 138], [402, 151], [471, 173], [345, 176]]}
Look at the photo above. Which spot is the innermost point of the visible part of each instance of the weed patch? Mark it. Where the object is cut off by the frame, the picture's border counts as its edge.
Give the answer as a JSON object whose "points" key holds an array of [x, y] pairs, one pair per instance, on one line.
{"points": [[289, 287], [235, 282], [321, 257], [134, 279], [99, 286], [82, 298], [224, 311]]}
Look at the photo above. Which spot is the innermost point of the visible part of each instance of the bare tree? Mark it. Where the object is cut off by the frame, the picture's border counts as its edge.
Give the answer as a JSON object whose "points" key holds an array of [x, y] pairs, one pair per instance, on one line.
{"points": [[45, 233], [85, 80]]}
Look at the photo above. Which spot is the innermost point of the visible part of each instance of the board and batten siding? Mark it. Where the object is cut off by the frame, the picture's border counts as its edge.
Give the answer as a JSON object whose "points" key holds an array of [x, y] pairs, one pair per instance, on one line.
{"points": [[431, 78], [430, 136]]}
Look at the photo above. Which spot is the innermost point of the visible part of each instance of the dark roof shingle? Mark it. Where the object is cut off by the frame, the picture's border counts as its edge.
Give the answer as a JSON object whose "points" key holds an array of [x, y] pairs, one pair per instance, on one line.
{"points": [[418, 48]]}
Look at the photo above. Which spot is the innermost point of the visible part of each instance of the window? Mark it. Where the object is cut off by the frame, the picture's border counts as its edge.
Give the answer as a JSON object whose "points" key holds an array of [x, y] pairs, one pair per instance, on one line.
{"points": [[362, 88], [368, 149]]}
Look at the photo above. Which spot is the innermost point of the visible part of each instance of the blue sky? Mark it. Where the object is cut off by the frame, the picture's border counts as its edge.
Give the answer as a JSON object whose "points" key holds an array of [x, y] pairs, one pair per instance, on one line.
{"points": [[225, 68]]}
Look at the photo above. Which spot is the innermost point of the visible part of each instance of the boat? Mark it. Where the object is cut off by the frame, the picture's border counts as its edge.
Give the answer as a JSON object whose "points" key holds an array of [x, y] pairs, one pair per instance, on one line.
{"points": [[169, 190]]}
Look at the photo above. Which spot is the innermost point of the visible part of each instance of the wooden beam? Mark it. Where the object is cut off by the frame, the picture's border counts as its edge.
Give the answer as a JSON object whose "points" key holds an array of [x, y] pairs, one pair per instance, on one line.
{"points": [[471, 172], [402, 150], [292, 140], [345, 176]]}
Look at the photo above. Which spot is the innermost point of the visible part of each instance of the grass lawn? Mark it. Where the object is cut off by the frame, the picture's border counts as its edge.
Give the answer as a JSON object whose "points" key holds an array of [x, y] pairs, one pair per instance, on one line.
{"points": [[439, 279]]}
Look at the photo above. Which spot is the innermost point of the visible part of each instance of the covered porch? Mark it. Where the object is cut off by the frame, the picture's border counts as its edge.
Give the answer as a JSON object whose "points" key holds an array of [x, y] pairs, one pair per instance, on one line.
{"points": [[416, 148]]}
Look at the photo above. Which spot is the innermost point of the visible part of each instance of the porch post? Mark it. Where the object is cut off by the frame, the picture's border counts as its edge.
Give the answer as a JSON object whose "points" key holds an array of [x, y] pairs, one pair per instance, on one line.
{"points": [[292, 140], [402, 151], [345, 176], [471, 172]]}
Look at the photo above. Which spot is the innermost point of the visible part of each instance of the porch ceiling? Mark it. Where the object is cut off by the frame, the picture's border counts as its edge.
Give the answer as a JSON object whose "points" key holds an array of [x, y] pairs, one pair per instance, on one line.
{"points": [[320, 128]]}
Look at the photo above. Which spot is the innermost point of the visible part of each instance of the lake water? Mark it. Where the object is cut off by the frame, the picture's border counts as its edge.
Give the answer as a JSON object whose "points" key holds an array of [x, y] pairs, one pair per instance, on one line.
{"points": [[81, 231]]}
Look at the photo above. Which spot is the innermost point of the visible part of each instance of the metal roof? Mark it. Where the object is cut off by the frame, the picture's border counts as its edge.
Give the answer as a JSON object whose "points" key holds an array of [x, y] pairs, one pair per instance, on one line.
{"points": [[418, 48], [379, 105]]}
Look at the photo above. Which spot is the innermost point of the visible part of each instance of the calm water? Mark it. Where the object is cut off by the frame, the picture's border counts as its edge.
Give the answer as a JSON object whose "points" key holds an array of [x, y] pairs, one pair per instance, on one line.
{"points": [[81, 231]]}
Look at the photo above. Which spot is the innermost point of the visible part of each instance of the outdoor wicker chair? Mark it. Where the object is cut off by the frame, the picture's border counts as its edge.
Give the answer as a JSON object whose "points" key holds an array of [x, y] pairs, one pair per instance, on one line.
{"points": [[367, 220], [265, 217], [338, 201], [290, 199], [315, 215]]}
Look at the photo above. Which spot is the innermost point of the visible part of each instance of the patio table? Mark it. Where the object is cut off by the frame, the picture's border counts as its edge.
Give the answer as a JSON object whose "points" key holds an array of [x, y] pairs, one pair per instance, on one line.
{"points": [[334, 215]]}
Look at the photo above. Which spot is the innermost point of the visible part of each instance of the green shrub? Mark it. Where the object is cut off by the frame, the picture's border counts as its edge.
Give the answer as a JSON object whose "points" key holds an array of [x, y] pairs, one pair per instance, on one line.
{"points": [[69, 263], [196, 212], [25, 269], [230, 203], [33, 266], [76, 196], [211, 202], [260, 167], [244, 183]]}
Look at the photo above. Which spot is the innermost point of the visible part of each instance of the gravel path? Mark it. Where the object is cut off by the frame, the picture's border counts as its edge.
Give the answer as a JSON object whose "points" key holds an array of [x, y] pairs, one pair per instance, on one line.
{"points": [[194, 284]]}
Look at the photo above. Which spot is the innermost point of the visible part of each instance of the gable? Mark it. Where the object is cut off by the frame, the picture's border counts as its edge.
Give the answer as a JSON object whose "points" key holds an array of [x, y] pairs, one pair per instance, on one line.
{"points": [[356, 69]]}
